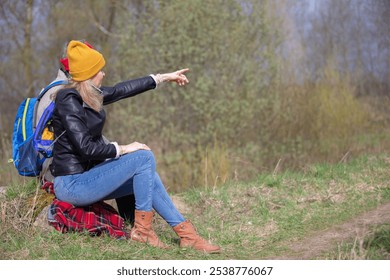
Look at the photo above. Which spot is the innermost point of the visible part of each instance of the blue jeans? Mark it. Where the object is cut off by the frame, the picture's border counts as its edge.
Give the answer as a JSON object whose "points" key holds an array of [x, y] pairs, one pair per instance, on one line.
{"points": [[133, 173]]}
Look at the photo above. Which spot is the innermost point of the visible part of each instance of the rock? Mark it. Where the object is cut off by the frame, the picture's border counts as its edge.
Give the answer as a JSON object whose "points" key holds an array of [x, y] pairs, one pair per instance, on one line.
{"points": [[41, 221], [3, 190], [112, 202]]}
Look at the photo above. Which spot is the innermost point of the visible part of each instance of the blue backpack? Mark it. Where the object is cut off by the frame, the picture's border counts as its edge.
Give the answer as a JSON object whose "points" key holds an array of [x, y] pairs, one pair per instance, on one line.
{"points": [[32, 145]]}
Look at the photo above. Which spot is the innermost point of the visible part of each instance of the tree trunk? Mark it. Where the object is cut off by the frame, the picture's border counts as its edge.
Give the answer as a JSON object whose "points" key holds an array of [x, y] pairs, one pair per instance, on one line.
{"points": [[27, 52]]}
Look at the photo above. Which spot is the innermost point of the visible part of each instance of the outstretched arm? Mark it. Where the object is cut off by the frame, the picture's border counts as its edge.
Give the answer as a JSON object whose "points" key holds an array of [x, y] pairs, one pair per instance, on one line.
{"points": [[136, 86]]}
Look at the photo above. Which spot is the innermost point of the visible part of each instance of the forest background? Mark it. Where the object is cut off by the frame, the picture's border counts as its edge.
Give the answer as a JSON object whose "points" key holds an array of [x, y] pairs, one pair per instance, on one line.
{"points": [[273, 84]]}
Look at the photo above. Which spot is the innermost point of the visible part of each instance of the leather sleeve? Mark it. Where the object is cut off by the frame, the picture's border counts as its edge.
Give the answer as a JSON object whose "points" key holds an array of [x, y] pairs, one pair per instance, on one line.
{"points": [[72, 115], [127, 89]]}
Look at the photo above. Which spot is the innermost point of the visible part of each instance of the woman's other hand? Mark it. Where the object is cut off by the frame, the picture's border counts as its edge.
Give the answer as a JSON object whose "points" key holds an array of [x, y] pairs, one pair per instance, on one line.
{"points": [[135, 146]]}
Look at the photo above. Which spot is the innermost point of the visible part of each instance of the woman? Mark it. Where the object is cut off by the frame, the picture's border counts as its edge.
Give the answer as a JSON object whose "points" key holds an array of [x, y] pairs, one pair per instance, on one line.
{"points": [[88, 170]]}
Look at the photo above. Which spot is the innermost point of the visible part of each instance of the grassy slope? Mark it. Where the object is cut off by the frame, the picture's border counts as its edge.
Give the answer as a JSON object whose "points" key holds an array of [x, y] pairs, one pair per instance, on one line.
{"points": [[251, 220]]}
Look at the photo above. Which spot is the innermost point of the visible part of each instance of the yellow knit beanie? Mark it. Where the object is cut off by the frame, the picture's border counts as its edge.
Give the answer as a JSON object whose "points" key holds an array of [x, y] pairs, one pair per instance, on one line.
{"points": [[84, 62]]}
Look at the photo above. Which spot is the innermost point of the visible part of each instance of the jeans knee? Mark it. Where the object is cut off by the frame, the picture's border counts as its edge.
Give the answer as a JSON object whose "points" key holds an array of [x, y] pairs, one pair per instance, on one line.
{"points": [[149, 157]]}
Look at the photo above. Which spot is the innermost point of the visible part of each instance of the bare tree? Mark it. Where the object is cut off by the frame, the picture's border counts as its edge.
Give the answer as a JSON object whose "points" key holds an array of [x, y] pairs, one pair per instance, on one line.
{"points": [[354, 34], [16, 29]]}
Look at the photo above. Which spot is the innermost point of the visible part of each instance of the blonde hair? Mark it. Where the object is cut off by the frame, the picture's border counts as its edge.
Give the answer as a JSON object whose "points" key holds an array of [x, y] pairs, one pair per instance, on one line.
{"points": [[90, 95]]}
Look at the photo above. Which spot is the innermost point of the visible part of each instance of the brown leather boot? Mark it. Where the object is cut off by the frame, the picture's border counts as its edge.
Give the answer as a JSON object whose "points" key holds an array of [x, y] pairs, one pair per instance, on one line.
{"points": [[142, 230], [190, 238]]}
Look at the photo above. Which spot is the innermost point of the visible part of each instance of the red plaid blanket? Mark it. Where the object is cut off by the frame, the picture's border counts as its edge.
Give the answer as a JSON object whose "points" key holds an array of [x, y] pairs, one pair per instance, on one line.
{"points": [[96, 219]]}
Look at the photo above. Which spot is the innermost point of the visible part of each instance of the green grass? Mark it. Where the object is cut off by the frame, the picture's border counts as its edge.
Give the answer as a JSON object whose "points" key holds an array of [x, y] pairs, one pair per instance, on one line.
{"points": [[251, 220]]}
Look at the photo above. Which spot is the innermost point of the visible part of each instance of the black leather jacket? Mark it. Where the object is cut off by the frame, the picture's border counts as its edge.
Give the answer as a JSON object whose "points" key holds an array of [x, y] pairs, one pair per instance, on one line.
{"points": [[82, 145]]}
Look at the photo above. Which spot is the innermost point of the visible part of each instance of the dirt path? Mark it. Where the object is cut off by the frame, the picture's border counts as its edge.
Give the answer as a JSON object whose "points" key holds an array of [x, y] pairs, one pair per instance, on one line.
{"points": [[319, 243]]}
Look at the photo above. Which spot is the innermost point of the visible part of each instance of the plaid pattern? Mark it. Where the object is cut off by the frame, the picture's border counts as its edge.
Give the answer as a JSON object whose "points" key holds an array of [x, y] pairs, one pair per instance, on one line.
{"points": [[47, 186], [96, 219]]}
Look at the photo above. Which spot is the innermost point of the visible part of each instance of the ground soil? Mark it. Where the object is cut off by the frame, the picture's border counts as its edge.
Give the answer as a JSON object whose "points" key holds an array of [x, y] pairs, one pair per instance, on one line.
{"points": [[319, 243]]}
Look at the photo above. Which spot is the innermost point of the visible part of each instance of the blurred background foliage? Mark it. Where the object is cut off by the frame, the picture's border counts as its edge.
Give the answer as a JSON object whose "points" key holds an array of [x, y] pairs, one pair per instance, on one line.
{"points": [[273, 84]]}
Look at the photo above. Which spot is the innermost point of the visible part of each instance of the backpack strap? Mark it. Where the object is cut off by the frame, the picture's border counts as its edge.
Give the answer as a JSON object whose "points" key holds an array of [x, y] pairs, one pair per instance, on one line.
{"points": [[42, 93], [51, 85]]}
